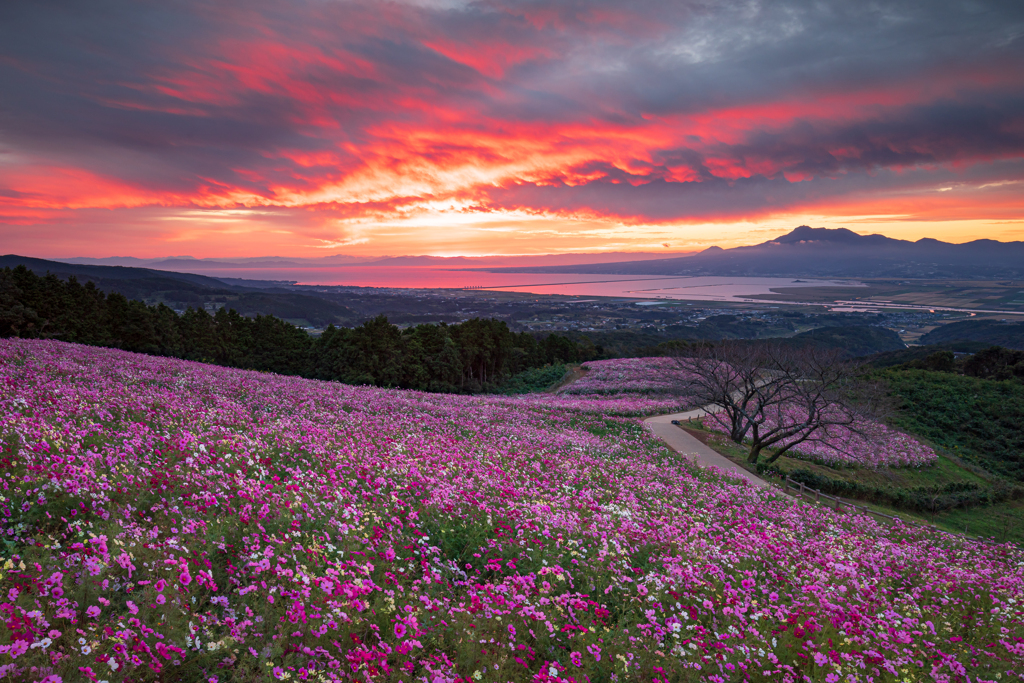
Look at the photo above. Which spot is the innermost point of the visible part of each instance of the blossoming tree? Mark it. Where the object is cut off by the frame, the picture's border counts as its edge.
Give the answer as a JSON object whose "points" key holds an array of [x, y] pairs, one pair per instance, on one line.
{"points": [[772, 395]]}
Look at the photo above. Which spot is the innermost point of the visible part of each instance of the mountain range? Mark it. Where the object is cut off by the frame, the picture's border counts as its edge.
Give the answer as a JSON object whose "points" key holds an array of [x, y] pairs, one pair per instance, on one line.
{"points": [[822, 252]]}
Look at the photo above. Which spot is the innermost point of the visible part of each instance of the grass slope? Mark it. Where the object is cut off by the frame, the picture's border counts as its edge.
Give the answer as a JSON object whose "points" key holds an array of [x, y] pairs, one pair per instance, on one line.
{"points": [[978, 420]]}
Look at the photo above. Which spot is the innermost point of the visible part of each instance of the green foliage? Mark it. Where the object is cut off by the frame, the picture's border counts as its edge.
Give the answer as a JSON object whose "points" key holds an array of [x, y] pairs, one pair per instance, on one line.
{"points": [[888, 359], [992, 332], [534, 380], [856, 340], [995, 363], [952, 495], [477, 355], [979, 420]]}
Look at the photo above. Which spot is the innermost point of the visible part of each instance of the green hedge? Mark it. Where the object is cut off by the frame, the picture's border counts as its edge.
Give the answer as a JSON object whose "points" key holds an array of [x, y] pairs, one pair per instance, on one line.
{"points": [[918, 499]]}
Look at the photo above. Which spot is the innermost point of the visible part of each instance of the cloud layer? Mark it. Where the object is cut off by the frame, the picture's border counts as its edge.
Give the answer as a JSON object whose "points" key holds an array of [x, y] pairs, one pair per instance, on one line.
{"points": [[333, 122]]}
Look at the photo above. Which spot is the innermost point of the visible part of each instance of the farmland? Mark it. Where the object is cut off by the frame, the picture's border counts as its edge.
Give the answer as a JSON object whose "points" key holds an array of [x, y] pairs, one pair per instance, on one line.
{"points": [[170, 520]]}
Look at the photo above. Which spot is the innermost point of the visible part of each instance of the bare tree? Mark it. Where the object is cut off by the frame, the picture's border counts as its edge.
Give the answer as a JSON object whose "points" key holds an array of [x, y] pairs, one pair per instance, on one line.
{"points": [[772, 395]]}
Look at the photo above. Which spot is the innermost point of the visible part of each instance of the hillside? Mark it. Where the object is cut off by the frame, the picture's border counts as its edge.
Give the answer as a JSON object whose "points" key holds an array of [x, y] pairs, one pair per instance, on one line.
{"points": [[855, 340], [236, 523], [185, 290], [470, 357], [989, 332], [978, 419]]}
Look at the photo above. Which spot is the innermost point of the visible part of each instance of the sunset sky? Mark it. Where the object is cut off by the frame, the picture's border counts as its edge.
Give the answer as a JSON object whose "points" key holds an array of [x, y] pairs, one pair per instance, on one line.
{"points": [[307, 128]]}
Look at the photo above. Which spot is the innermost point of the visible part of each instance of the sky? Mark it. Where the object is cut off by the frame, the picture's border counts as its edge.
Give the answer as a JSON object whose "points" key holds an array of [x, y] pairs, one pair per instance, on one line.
{"points": [[316, 127]]}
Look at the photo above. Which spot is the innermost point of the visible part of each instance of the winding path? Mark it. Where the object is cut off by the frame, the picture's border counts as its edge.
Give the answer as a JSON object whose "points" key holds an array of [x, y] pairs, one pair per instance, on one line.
{"points": [[689, 447]]}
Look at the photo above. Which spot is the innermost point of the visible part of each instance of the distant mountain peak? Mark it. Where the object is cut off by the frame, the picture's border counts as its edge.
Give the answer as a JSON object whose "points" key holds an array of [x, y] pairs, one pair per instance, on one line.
{"points": [[806, 233]]}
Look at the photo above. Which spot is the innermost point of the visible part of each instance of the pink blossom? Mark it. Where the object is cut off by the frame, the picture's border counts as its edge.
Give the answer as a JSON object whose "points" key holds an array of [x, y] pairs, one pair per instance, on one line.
{"points": [[508, 520]]}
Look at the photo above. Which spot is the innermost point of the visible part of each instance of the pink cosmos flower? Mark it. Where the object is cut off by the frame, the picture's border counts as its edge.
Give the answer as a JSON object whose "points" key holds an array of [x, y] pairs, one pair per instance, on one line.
{"points": [[400, 630], [93, 611]]}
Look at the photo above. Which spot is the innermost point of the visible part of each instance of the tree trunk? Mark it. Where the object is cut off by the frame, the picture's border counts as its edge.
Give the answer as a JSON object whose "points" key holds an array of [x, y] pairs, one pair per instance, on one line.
{"points": [[755, 453]]}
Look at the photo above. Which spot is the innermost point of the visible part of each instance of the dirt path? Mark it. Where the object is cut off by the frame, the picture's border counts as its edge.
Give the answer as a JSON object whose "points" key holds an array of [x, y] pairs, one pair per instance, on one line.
{"points": [[685, 444], [691, 448]]}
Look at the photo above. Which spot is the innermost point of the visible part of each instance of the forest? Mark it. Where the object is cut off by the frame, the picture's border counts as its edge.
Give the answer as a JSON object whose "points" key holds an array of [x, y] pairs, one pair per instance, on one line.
{"points": [[473, 356]]}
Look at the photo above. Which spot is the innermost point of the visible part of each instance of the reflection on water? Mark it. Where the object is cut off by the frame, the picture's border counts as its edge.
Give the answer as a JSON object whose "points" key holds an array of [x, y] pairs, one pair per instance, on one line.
{"points": [[573, 284], [668, 288]]}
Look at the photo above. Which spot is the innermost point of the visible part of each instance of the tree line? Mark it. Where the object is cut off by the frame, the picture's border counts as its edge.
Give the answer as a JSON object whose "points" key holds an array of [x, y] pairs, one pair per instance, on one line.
{"points": [[469, 357]]}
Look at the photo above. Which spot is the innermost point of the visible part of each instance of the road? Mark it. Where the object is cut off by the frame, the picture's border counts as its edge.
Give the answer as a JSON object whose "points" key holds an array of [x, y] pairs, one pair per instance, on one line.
{"points": [[692, 449]]}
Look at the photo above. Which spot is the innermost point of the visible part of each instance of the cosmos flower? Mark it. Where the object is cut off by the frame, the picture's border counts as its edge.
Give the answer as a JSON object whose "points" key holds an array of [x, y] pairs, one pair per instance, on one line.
{"points": [[512, 519]]}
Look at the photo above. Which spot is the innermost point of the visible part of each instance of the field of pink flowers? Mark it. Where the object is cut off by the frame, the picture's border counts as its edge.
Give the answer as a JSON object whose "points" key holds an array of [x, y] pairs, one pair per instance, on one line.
{"points": [[863, 444], [170, 521], [626, 375]]}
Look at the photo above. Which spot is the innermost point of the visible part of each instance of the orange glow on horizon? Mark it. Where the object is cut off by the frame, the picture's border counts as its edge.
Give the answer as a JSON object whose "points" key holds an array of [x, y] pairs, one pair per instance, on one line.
{"points": [[498, 130]]}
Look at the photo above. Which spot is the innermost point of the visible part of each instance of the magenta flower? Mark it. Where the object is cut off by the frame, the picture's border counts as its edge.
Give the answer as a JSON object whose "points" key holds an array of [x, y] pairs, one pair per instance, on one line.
{"points": [[364, 473]]}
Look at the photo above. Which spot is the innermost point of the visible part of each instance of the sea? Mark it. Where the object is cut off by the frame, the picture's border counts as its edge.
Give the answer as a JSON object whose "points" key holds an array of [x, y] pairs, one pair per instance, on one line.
{"points": [[652, 287]]}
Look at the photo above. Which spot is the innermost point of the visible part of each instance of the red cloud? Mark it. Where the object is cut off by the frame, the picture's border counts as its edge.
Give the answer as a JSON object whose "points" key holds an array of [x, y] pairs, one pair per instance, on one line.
{"points": [[385, 111]]}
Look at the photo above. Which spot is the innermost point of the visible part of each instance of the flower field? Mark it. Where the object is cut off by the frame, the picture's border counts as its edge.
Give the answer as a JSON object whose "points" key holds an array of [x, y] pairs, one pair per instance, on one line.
{"points": [[172, 521], [626, 375], [622, 405], [865, 444]]}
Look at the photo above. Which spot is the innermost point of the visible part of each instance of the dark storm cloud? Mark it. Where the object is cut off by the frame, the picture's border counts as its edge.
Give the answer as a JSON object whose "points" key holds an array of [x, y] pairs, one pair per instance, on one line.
{"points": [[662, 110]]}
